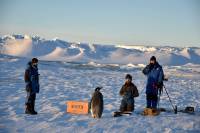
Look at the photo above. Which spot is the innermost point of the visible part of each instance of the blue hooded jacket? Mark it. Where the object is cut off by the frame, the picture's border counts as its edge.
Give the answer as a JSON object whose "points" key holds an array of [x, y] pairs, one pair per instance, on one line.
{"points": [[155, 76], [32, 78]]}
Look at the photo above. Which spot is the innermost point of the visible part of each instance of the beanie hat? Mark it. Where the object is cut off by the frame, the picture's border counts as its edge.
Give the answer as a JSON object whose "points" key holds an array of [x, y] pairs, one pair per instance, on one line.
{"points": [[153, 58], [128, 76], [35, 60]]}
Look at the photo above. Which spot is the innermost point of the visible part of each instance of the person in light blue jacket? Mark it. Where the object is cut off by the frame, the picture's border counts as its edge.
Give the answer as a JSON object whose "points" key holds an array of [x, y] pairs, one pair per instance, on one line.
{"points": [[155, 76]]}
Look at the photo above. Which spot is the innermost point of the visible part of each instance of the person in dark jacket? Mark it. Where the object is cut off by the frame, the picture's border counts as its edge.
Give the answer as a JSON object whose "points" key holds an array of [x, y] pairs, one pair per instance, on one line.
{"points": [[31, 78], [155, 76], [128, 92]]}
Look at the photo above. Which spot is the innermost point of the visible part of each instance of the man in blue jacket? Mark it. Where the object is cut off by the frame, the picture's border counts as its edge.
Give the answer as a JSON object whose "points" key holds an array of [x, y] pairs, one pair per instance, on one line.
{"points": [[31, 78], [155, 76]]}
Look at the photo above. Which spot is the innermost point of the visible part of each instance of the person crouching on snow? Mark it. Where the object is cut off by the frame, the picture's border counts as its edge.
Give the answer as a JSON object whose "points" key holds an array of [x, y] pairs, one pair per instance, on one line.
{"points": [[128, 92], [155, 76], [31, 78]]}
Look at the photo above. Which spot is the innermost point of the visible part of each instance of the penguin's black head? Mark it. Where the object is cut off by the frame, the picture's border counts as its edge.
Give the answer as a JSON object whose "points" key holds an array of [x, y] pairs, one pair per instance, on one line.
{"points": [[98, 88]]}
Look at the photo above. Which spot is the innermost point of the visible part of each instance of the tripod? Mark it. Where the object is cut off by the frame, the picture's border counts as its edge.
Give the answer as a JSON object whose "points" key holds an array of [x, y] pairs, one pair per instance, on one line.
{"points": [[174, 107]]}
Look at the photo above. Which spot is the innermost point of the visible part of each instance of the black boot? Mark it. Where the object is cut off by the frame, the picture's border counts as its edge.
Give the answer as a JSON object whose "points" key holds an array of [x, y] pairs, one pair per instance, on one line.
{"points": [[33, 108], [28, 109]]}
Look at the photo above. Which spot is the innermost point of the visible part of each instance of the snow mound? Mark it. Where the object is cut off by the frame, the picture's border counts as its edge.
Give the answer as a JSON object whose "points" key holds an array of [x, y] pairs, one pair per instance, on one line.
{"points": [[59, 55], [59, 50], [17, 47]]}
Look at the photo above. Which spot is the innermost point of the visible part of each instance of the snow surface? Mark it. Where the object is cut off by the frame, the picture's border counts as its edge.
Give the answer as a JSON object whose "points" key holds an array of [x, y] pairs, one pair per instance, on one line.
{"points": [[70, 71]]}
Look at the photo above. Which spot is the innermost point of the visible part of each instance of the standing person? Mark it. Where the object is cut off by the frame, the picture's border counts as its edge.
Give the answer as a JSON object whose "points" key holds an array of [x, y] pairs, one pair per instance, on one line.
{"points": [[31, 78], [155, 75], [128, 92]]}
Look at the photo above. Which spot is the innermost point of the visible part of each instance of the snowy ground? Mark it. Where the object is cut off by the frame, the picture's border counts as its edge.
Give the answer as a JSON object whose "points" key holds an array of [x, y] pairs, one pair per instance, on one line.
{"points": [[61, 81]]}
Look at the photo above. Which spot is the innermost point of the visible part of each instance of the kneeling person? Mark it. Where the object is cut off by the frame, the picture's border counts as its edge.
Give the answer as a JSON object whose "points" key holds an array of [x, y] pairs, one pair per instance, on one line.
{"points": [[128, 92]]}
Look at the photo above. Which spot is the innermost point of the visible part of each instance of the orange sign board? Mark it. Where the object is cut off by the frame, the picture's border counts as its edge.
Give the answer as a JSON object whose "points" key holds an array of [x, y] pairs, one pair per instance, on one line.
{"points": [[77, 107]]}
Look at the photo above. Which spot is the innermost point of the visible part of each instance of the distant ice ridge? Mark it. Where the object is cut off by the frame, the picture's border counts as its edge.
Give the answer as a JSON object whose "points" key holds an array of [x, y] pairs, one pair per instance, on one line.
{"points": [[141, 48], [95, 54]]}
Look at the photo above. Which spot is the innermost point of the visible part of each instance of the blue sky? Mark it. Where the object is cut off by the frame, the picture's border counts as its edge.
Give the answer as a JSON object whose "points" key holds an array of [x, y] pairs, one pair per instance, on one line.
{"points": [[131, 22]]}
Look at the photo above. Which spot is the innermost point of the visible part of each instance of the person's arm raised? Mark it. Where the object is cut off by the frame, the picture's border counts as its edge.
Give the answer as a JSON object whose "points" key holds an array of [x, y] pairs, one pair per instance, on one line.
{"points": [[147, 69]]}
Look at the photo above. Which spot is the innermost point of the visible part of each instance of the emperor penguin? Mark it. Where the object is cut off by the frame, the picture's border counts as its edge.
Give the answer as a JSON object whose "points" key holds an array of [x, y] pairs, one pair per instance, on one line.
{"points": [[96, 104]]}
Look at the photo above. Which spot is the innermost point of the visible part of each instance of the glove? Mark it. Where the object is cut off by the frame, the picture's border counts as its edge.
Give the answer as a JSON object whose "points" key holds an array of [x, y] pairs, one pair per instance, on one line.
{"points": [[151, 66], [159, 85], [160, 88]]}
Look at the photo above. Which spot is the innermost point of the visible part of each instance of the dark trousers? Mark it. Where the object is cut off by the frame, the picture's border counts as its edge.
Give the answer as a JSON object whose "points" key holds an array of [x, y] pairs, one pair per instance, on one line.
{"points": [[30, 100], [152, 100], [127, 105]]}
